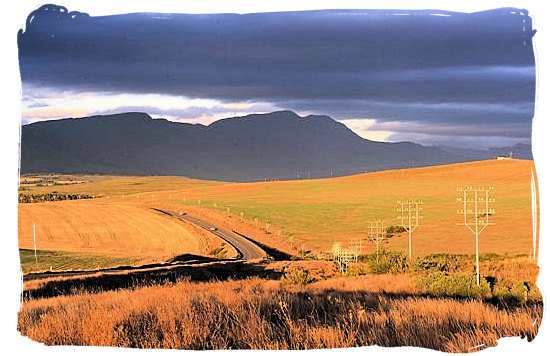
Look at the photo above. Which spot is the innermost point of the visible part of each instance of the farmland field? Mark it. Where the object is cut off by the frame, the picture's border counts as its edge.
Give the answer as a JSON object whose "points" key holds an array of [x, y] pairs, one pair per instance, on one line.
{"points": [[291, 303], [110, 234], [314, 214], [321, 212]]}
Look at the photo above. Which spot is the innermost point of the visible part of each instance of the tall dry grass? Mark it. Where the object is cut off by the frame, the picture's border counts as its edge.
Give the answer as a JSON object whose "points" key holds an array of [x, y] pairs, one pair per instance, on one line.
{"points": [[255, 314]]}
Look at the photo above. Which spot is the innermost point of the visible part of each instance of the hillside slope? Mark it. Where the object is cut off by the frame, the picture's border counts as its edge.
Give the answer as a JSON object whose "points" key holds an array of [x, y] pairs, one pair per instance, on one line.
{"points": [[316, 213]]}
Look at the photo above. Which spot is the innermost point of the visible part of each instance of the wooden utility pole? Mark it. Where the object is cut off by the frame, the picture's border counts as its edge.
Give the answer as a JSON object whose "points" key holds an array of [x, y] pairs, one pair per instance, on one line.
{"points": [[34, 239], [376, 234], [408, 215], [476, 211], [535, 216]]}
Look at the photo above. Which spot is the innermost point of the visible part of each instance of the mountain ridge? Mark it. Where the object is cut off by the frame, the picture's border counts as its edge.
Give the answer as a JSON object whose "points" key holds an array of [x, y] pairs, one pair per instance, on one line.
{"points": [[277, 145]]}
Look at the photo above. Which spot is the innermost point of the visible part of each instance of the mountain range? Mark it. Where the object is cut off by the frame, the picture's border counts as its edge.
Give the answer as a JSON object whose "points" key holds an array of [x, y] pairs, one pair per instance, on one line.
{"points": [[279, 145]]}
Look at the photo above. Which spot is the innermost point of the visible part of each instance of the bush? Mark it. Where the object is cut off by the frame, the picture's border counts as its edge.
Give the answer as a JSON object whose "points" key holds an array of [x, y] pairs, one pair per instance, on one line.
{"points": [[453, 285], [491, 257], [513, 291], [387, 261], [441, 263], [55, 196], [394, 230], [297, 277], [519, 290], [219, 252], [358, 269]]}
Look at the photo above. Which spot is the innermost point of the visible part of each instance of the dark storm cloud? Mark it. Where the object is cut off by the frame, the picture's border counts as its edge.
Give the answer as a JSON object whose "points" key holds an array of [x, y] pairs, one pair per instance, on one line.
{"points": [[191, 112], [354, 59], [482, 113]]}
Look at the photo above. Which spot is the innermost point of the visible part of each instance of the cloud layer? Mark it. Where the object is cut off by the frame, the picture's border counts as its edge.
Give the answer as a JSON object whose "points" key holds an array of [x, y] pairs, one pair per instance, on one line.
{"points": [[440, 70]]}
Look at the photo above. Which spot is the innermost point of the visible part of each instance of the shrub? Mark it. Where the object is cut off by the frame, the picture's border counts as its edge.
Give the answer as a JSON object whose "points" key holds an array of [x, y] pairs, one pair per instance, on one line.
{"points": [[491, 257], [55, 196], [514, 291], [394, 230], [440, 263], [297, 277], [519, 290], [387, 261], [358, 269], [219, 252], [453, 285]]}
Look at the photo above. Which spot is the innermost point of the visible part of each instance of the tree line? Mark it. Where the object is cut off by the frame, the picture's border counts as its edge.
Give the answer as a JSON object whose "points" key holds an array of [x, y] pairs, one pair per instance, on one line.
{"points": [[37, 198]]}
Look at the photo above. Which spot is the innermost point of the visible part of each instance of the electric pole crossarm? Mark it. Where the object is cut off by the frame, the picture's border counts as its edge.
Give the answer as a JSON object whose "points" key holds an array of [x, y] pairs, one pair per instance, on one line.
{"points": [[484, 226], [475, 209], [408, 211], [468, 226]]}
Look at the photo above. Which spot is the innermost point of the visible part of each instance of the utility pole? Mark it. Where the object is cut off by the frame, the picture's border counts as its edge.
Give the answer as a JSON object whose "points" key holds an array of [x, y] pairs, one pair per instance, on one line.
{"points": [[34, 239], [356, 247], [408, 214], [476, 211], [377, 234], [535, 216], [343, 256]]}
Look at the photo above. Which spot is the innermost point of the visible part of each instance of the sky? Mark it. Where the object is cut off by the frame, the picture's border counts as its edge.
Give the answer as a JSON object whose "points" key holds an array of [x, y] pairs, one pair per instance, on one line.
{"points": [[433, 77]]}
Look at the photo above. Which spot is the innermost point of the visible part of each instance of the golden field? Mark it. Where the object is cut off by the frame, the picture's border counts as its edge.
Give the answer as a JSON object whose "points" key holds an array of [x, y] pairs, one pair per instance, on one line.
{"points": [[314, 214], [115, 233]]}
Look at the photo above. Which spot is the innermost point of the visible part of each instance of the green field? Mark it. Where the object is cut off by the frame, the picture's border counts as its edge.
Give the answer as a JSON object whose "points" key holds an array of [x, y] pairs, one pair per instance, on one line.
{"points": [[67, 261]]}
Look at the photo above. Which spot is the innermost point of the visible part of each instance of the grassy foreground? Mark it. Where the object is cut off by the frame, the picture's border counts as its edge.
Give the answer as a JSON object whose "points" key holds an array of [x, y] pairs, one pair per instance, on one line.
{"points": [[253, 314]]}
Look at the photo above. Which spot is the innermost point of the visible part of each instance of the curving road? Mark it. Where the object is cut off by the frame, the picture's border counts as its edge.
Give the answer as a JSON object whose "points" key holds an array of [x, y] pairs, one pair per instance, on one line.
{"points": [[247, 249]]}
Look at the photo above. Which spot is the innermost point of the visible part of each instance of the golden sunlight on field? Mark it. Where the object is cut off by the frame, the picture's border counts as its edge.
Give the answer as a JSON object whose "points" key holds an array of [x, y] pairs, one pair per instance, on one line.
{"points": [[319, 212], [120, 230], [289, 215]]}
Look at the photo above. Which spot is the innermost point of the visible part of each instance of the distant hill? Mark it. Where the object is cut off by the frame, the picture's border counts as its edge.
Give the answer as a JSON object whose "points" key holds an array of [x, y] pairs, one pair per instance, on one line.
{"points": [[278, 145], [520, 150]]}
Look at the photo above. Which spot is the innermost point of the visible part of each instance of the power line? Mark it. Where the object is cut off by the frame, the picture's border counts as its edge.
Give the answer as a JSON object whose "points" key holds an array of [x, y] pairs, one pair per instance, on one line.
{"points": [[476, 211], [408, 214], [376, 234]]}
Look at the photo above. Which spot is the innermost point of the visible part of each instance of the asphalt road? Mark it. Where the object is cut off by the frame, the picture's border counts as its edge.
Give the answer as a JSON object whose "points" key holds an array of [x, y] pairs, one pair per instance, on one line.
{"points": [[247, 249]]}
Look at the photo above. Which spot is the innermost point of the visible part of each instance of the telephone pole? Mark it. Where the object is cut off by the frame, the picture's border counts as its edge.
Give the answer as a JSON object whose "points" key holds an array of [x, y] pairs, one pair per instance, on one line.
{"points": [[476, 211], [376, 234], [408, 214], [535, 216]]}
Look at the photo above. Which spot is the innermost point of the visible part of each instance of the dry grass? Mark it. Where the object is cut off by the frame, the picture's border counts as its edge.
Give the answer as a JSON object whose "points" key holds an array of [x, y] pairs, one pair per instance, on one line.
{"points": [[374, 283], [252, 314]]}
